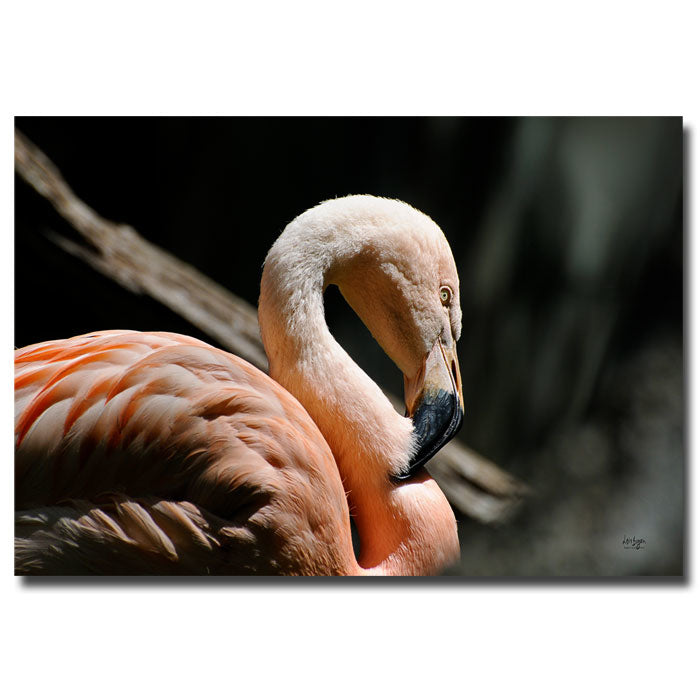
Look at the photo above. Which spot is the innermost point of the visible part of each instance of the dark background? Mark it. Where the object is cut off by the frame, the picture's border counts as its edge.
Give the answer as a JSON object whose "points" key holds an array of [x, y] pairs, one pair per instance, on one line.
{"points": [[568, 236]]}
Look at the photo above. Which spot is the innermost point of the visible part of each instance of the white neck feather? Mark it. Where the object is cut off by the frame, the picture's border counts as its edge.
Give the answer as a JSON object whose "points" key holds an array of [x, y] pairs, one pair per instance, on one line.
{"points": [[367, 436]]}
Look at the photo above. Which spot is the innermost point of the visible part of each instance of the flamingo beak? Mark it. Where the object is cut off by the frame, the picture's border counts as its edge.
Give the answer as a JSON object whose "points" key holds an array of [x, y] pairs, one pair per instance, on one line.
{"points": [[435, 403]]}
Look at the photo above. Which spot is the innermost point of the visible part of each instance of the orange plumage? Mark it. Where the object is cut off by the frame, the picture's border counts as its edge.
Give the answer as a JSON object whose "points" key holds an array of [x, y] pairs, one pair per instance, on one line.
{"points": [[108, 414]]}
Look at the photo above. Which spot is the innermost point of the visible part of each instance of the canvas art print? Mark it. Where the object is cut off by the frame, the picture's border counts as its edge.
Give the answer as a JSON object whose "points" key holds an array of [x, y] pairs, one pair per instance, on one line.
{"points": [[349, 347]]}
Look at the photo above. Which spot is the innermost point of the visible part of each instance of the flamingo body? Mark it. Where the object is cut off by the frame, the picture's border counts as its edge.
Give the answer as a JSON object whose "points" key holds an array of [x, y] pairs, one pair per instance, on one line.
{"points": [[155, 453]]}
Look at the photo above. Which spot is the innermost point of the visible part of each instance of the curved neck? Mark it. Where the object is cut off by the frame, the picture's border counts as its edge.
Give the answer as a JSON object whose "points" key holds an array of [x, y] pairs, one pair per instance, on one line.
{"points": [[404, 529]]}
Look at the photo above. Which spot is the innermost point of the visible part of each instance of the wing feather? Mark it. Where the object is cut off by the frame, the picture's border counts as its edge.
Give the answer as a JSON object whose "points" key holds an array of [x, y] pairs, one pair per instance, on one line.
{"points": [[214, 463]]}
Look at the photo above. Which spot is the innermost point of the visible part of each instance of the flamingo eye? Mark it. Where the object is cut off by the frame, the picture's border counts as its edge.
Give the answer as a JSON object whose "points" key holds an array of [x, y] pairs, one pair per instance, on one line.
{"points": [[445, 295]]}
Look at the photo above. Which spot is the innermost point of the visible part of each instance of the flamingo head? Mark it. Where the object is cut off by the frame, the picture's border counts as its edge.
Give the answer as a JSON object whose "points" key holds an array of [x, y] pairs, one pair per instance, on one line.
{"points": [[399, 275]]}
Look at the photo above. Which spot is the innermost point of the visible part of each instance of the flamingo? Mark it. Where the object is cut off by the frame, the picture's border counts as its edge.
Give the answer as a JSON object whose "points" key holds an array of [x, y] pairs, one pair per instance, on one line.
{"points": [[156, 453]]}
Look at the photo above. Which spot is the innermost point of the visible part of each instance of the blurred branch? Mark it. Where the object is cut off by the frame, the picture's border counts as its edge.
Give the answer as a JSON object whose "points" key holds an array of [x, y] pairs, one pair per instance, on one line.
{"points": [[473, 485]]}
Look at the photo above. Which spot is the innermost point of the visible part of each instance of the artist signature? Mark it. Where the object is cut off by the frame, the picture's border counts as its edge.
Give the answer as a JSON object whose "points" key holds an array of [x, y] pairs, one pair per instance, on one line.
{"points": [[634, 542]]}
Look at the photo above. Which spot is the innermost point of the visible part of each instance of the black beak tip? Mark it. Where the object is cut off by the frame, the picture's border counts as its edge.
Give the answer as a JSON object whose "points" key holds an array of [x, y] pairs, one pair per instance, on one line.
{"points": [[435, 423]]}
